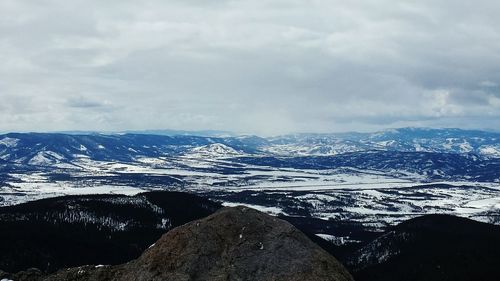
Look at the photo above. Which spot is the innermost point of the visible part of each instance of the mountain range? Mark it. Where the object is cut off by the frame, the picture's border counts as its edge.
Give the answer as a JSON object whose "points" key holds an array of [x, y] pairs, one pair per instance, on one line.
{"points": [[124, 146]]}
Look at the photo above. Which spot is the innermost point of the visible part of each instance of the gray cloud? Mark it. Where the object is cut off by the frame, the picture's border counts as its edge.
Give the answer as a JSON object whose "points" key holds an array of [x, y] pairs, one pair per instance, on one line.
{"points": [[84, 102], [265, 67]]}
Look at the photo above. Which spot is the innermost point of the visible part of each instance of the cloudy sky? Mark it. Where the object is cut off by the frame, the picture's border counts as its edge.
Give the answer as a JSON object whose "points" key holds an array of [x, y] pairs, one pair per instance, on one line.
{"points": [[265, 67]]}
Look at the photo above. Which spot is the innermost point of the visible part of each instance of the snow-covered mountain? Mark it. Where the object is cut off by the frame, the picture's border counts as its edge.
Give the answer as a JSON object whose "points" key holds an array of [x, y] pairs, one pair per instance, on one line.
{"points": [[369, 178], [46, 149], [213, 151], [405, 140]]}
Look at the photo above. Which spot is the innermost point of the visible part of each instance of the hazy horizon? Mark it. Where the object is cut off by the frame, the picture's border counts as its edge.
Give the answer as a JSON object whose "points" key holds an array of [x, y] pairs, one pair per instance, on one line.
{"points": [[209, 132]]}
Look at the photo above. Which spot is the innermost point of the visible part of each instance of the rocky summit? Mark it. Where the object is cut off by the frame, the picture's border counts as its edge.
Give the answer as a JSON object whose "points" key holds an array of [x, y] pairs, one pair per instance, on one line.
{"points": [[233, 244]]}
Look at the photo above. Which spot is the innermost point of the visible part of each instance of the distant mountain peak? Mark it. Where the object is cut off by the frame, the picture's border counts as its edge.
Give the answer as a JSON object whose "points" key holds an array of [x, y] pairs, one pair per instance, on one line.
{"points": [[215, 150], [9, 142]]}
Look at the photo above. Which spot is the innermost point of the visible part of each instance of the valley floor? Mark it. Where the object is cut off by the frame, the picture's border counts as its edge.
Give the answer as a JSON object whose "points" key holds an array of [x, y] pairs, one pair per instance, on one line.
{"points": [[374, 198]]}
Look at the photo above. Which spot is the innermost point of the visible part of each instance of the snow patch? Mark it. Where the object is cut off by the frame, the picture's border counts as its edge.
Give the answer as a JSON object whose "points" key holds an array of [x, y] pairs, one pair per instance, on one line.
{"points": [[9, 142], [44, 158], [269, 210], [216, 150], [337, 240], [489, 150], [40, 159]]}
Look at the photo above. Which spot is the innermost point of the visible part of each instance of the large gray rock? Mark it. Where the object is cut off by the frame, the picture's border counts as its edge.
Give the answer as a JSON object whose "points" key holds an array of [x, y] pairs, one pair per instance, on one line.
{"points": [[233, 244]]}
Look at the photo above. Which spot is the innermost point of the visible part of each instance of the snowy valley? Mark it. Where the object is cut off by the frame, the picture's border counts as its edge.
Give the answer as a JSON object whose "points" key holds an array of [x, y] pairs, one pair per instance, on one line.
{"points": [[375, 179]]}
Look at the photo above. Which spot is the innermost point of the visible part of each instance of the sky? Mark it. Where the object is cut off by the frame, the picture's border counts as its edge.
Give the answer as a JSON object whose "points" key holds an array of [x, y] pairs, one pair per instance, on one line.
{"points": [[266, 67]]}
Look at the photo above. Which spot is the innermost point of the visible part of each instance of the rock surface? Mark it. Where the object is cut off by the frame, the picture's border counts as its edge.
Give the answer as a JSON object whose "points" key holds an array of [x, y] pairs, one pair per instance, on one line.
{"points": [[233, 244]]}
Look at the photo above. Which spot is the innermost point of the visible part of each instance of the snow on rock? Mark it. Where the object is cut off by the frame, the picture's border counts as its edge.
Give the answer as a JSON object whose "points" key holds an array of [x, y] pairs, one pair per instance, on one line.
{"points": [[46, 158], [465, 147], [55, 155], [216, 150], [269, 210], [9, 142], [304, 149], [40, 159], [337, 240], [490, 150]]}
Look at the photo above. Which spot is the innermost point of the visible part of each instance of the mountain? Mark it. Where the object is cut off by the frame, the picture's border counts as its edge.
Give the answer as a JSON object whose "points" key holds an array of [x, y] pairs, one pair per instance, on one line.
{"points": [[216, 150], [432, 247], [49, 149], [232, 244], [404, 140], [46, 149], [53, 233], [53, 148]]}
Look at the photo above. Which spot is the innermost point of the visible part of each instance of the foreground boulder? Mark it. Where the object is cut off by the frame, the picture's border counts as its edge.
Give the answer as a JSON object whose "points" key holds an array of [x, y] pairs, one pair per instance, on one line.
{"points": [[233, 244]]}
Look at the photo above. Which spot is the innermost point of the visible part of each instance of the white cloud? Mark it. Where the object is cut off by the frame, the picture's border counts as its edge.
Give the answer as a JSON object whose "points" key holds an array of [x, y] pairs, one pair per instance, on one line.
{"points": [[267, 66]]}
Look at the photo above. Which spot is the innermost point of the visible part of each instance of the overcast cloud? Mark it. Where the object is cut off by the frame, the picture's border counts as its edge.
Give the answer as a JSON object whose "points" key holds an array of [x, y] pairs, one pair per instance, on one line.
{"points": [[265, 67]]}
